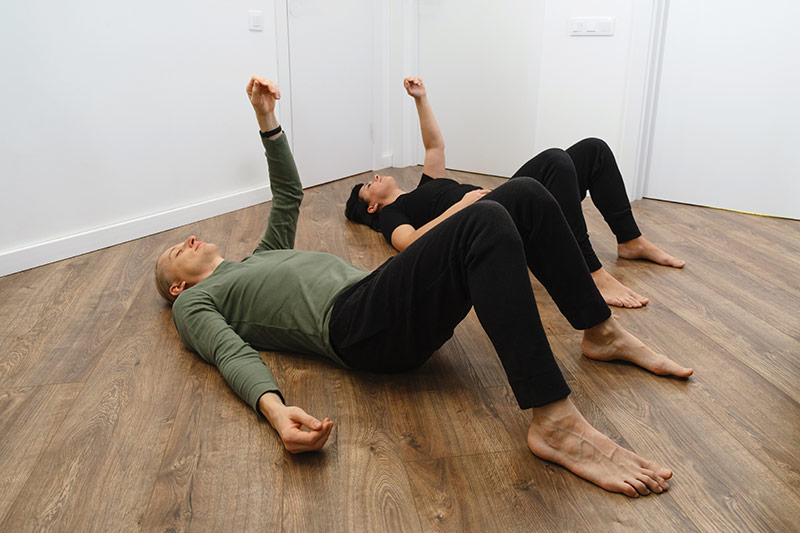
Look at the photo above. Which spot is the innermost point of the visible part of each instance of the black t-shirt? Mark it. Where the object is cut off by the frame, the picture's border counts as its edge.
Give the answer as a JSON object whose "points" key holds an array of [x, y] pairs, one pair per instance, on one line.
{"points": [[430, 199]]}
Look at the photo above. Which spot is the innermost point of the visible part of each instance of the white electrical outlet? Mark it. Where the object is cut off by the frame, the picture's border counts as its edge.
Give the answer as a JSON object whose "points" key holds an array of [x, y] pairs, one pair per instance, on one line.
{"points": [[591, 26]]}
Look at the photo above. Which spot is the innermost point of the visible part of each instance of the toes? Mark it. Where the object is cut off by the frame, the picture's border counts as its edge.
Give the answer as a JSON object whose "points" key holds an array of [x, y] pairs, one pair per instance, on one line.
{"points": [[649, 478], [631, 301], [625, 488], [634, 303], [639, 298], [616, 302], [640, 487], [658, 470], [671, 367]]}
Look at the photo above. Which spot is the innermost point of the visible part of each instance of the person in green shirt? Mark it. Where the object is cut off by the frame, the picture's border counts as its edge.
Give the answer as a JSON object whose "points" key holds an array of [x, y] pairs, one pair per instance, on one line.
{"points": [[394, 318]]}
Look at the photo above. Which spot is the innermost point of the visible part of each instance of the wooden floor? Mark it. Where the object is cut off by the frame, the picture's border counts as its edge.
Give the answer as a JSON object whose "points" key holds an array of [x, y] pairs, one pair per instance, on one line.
{"points": [[107, 423]]}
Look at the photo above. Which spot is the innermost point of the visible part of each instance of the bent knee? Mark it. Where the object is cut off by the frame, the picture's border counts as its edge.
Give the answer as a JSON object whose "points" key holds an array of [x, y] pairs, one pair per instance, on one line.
{"points": [[487, 208], [558, 158], [528, 191], [595, 144], [489, 213]]}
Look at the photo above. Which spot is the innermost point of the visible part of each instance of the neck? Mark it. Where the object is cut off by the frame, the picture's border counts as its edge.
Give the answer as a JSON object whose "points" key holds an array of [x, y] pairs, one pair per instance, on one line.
{"points": [[211, 268], [215, 264], [397, 193]]}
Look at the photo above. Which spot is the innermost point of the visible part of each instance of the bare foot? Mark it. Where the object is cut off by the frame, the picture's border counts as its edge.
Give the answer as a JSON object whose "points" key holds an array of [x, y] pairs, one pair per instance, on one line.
{"points": [[614, 292], [641, 248], [560, 434], [609, 341]]}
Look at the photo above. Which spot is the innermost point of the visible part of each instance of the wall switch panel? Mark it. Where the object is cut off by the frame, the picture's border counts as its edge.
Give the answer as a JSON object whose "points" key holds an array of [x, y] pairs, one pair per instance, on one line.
{"points": [[255, 20], [591, 26]]}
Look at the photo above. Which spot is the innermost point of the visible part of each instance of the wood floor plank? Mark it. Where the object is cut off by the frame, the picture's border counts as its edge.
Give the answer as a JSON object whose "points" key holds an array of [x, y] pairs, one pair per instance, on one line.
{"points": [[715, 270], [664, 420], [582, 506], [359, 483], [754, 411], [80, 317], [763, 259], [776, 237], [219, 456], [21, 441], [453, 420], [739, 331], [146, 436], [109, 446], [513, 491]]}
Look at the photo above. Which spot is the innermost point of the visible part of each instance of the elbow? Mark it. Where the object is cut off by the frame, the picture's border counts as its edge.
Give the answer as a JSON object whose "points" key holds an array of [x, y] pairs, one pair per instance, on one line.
{"points": [[435, 144], [401, 245]]}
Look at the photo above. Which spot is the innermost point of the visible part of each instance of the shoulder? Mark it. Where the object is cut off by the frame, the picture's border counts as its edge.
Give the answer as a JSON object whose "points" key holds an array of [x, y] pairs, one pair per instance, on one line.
{"points": [[191, 301], [424, 179]]}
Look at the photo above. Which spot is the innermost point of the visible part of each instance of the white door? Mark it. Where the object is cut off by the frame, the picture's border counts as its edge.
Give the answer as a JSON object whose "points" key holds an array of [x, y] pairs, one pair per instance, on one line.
{"points": [[727, 126], [331, 68]]}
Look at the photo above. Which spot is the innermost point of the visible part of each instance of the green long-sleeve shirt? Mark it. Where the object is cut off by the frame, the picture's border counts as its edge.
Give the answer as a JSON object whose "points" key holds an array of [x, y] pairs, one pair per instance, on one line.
{"points": [[276, 299]]}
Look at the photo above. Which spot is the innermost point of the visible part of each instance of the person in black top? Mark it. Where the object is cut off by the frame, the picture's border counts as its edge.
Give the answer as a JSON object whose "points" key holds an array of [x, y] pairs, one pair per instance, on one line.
{"points": [[466, 254], [589, 165]]}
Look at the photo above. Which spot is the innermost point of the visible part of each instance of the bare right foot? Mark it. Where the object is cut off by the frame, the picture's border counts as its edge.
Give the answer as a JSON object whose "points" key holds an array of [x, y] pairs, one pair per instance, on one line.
{"points": [[615, 293], [559, 433]]}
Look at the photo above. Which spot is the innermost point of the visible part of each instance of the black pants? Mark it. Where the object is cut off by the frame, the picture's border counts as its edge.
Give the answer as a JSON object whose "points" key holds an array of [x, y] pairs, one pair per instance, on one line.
{"points": [[395, 318], [568, 174]]}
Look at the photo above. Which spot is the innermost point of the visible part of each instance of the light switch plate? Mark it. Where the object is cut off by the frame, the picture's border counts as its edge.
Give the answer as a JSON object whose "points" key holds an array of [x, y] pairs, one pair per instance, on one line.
{"points": [[591, 26], [255, 20]]}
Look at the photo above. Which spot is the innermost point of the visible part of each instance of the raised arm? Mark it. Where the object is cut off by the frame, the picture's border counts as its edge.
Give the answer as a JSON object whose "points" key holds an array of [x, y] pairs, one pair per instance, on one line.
{"points": [[287, 191], [432, 137]]}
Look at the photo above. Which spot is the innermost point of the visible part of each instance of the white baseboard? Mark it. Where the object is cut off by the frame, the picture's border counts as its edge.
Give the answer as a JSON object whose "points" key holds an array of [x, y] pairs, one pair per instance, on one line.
{"points": [[95, 239]]}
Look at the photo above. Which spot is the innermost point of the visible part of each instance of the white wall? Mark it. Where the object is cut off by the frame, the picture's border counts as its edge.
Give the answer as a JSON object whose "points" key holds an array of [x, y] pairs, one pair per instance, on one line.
{"points": [[333, 71], [121, 122], [595, 86], [726, 128], [116, 113], [480, 62], [507, 80]]}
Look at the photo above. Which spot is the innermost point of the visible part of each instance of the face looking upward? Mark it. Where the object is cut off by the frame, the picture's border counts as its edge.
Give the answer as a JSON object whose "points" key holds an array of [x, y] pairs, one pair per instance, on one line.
{"points": [[378, 192], [188, 263]]}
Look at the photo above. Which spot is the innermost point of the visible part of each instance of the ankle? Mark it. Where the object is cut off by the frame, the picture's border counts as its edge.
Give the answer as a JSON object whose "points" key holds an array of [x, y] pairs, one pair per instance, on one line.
{"points": [[602, 330], [553, 415]]}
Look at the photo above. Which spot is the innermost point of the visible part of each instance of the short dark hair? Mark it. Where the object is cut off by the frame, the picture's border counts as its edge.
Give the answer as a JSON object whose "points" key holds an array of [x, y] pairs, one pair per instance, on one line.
{"points": [[356, 210]]}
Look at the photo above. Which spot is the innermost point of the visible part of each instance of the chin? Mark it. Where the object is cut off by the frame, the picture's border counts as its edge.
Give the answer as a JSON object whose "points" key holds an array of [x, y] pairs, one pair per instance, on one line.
{"points": [[211, 249]]}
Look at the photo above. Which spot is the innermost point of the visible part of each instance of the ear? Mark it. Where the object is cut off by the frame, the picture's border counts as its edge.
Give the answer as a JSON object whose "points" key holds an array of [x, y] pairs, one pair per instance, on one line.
{"points": [[176, 288], [372, 208]]}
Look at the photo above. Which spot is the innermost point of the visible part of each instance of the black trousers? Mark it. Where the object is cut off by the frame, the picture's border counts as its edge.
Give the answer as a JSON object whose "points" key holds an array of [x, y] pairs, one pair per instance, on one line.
{"points": [[395, 318], [587, 166]]}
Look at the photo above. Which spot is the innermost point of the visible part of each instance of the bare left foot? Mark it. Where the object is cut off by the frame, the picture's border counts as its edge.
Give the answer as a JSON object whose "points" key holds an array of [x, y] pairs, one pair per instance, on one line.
{"points": [[609, 341], [641, 248], [559, 433]]}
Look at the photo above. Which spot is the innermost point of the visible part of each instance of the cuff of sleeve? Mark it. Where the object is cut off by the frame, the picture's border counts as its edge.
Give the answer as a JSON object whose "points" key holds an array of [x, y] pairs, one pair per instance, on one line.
{"points": [[279, 142]]}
